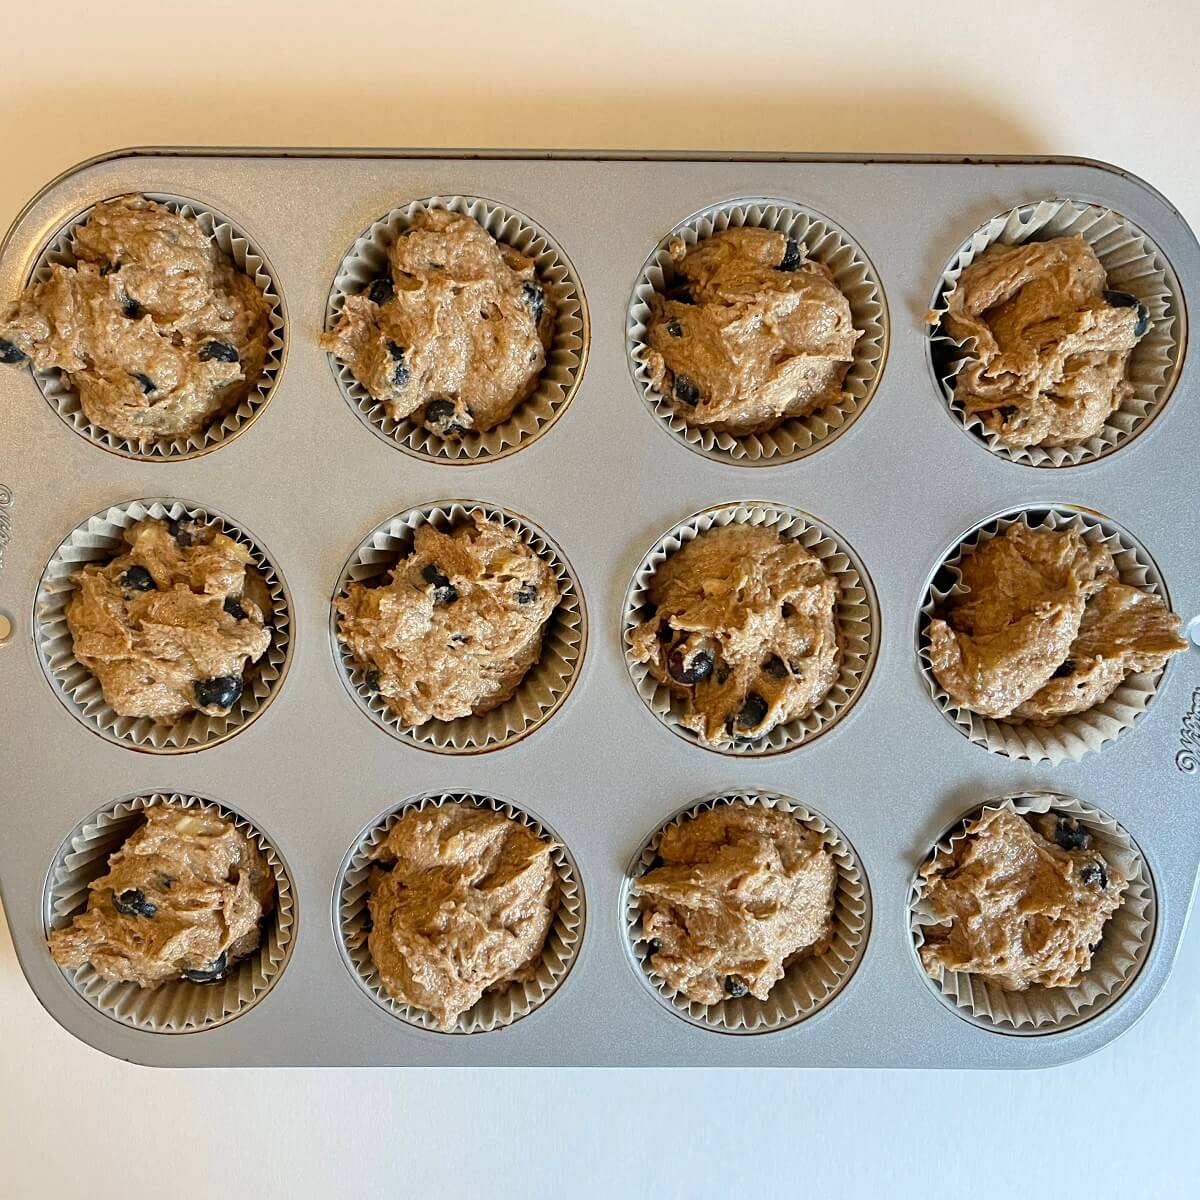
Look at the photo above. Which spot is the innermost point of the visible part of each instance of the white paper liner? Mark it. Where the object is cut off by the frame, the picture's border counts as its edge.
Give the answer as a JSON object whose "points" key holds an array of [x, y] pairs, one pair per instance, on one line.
{"points": [[180, 1006], [548, 682], [502, 1006], [857, 618], [1073, 736], [810, 983], [854, 274], [1122, 951], [63, 398], [1134, 264], [100, 538], [368, 258]]}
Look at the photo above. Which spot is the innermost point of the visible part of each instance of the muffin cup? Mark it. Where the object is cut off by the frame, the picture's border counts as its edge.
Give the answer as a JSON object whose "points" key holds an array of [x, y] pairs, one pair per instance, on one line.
{"points": [[565, 358], [854, 274], [1134, 264], [63, 397], [99, 539], [808, 984], [178, 1006], [1082, 733], [497, 1008], [857, 615], [548, 682], [1124, 948]]}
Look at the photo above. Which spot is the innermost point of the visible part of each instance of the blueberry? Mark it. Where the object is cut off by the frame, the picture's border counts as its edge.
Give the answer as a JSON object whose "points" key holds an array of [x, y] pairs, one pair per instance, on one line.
{"points": [[381, 290], [1127, 300], [109, 268], [138, 579], [686, 390], [1071, 836], [210, 972], [182, 531], [222, 692], [233, 608], [674, 328], [372, 681], [444, 592], [528, 594], [535, 300], [9, 353], [132, 308], [653, 946], [690, 671], [144, 382], [1064, 669], [753, 711], [722, 673], [735, 987], [133, 903], [1093, 872], [791, 256], [776, 667], [218, 352], [459, 639], [440, 413], [400, 372]]}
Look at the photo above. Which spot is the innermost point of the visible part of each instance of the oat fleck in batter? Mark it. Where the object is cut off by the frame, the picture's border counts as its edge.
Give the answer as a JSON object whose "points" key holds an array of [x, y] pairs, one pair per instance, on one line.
{"points": [[750, 333], [454, 336], [461, 901], [743, 892], [184, 898], [1026, 900], [169, 626], [457, 627], [743, 628], [155, 327], [1052, 344], [1045, 628]]}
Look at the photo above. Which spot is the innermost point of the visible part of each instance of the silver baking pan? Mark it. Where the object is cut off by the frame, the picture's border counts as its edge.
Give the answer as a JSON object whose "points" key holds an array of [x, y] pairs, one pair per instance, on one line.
{"points": [[315, 772]]}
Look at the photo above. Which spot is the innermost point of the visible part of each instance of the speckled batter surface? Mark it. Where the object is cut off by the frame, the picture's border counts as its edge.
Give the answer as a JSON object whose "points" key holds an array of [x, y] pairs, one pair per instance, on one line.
{"points": [[155, 327], [1045, 628], [461, 901], [1051, 342], [1025, 899], [454, 336], [184, 898], [750, 333], [457, 627], [742, 892], [743, 628], [169, 626]]}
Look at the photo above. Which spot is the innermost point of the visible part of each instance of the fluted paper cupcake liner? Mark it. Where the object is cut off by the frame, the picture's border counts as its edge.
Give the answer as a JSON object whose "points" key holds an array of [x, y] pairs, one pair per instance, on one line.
{"points": [[1073, 736], [1123, 950], [565, 357], [224, 427], [1134, 264], [548, 682], [99, 539], [854, 274], [857, 617], [810, 983], [505, 1004], [178, 1006]]}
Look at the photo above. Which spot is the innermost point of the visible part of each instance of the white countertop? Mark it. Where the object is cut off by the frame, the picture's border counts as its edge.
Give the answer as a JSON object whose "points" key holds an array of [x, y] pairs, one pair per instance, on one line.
{"points": [[1111, 80]]}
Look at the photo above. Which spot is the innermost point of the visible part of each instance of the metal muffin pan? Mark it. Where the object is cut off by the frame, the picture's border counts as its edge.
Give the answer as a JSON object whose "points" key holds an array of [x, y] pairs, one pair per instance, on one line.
{"points": [[903, 483]]}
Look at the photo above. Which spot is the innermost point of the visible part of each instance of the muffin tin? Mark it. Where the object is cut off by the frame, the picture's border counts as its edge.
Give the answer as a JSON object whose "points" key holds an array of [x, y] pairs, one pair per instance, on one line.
{"points": [[902, 485]]}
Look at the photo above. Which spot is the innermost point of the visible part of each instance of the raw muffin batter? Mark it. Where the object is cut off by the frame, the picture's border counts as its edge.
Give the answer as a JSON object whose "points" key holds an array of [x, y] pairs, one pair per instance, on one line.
{"points": [[184, 898], [742, 892], [155, 327], [1026, 900], [455, 335], [464, 907], [743, 628], [1045, 629], [750, 334], [1051, 343], [458, 626], [169, 626]]}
